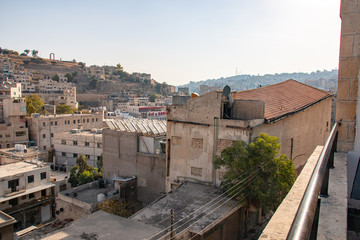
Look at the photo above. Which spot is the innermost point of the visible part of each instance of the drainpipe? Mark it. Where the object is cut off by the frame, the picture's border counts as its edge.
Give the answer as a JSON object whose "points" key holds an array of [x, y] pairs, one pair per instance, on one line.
{"points": [[216, 131]]}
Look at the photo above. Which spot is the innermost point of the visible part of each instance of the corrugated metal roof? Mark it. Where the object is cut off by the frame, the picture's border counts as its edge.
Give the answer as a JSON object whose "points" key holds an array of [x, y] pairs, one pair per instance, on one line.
{"points": [[284, 98], [145, 126]]}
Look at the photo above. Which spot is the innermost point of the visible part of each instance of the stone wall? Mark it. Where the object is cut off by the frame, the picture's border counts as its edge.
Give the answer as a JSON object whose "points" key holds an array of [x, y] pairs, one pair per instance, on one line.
{"points": [[349, 63]]}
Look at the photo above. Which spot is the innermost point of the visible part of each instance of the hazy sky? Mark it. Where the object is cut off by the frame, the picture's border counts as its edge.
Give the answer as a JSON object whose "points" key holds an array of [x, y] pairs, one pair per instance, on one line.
{"points": [[178, 41]]}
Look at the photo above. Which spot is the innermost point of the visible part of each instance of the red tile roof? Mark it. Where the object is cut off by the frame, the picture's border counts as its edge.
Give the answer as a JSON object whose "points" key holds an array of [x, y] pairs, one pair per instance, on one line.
{"points": [[284, 98]]}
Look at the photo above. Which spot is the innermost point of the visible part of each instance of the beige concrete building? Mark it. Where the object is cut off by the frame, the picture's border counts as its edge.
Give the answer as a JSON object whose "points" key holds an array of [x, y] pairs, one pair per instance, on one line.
{"points": [[43, 128], [12, 115], [136, 148], [204, 126], [26, 193], [6, 226], [69, 145]]}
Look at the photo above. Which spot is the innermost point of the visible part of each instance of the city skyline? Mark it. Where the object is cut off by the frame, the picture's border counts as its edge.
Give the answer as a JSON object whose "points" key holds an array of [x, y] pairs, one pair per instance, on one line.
{"points": [[179, 42]]}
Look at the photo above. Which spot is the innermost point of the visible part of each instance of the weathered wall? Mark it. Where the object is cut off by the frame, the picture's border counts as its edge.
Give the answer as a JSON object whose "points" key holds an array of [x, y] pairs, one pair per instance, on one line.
{"points": [[349, 62], [7, 232], [299, 127], [121, 158]]}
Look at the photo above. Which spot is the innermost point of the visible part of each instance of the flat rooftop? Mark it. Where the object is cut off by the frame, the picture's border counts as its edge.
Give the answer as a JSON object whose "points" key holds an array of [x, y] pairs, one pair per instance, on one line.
{"points": [[20, 167], [88, 194], [104, 226], [207, 202], [6, 219]]}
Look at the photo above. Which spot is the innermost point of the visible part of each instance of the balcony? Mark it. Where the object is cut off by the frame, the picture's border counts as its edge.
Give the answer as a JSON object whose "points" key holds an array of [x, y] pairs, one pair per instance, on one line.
{"points": [[316, 206]]}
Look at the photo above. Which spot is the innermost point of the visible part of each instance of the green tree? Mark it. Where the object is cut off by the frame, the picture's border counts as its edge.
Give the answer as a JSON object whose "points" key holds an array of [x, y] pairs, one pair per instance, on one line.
{"points": [[158, 88], [118, 66], [69, 77], [267, 175], [34, 53], [64, 109], [82, 172], [93, 83], [99, 163], [152, 98], [55, 77], [27, 51], [34, 104]]}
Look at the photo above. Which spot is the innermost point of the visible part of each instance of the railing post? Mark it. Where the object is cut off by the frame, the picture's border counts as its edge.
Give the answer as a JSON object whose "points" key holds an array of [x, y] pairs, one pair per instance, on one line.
{"points": [[315, 224]]}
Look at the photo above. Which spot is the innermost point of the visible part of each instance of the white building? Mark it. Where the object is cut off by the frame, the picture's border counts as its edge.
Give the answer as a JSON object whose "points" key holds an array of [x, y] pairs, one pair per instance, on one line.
{"points": [[69, 145], [26, 193]]}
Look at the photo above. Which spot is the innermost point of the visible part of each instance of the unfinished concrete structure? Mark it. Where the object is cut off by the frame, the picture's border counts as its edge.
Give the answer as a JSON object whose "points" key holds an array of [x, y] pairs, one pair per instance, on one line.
{"points": [[6, 226], [136, 148], [204, 126]]}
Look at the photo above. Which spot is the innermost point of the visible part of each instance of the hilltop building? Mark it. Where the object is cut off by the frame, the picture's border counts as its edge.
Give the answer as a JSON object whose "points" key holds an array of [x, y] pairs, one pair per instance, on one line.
{"points": [[205, 125]]}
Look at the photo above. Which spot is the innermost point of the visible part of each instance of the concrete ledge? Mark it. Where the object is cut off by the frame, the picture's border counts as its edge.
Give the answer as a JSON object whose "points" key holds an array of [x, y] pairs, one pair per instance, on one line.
{"points": [[280, 224], [333, 209]]}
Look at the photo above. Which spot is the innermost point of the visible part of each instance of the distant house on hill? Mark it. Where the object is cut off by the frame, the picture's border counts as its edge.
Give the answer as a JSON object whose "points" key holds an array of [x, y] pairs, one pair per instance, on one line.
{"points": [[205, 125]]}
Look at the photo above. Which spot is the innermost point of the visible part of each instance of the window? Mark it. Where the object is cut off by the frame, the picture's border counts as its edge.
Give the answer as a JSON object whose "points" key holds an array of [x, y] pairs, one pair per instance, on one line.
{"points": [[44, 135], [87, 120], [78, 120], [87, 144], [65, 122], [42, 175], [51, 135], [13, 202], [83, 120], [52, 123], [43, 193], [74, 121], [23, 109], [87, 156], [8, 145], [52, 146], [96, 119], [75, 155], [44, 147], [7, 135], [43, 124], [13, 184], [23, 197], [197, 143], [75, 143], [31, 195], [63, 142], [98, 158], [68, 121], [99, 145], [92, 120], [0, 135], [63, 154], [55, 123], [30, 178], [20, 133]]}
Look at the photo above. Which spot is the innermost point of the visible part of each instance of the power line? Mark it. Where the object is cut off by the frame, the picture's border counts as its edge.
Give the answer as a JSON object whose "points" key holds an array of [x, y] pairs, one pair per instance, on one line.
{"points": [[232, 189], [209, 212]]}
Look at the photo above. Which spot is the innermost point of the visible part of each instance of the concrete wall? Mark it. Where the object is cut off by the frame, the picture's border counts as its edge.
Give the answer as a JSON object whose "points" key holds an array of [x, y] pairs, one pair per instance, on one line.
{"points": [[300, 127], [7, 232], [349, 63], [121, 158], [193, 128]]}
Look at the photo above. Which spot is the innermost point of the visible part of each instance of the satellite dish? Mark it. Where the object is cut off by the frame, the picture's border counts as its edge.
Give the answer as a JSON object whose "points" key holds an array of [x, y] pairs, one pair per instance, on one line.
{"points": [[226, 91]]}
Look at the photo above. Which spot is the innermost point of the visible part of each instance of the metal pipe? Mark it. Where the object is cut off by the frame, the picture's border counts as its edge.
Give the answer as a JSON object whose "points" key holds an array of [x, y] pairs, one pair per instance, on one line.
{"points": [[301, 227]]}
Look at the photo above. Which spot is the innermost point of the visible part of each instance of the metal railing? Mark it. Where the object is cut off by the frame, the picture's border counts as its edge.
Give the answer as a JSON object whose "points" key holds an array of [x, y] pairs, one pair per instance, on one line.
{"points": [[307, 217]]}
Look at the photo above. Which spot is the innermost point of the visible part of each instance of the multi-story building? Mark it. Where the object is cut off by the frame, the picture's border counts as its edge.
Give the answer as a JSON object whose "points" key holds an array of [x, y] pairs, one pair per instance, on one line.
{"points": [[144, 111], [136, 148], [12, 115], [51, 86], [43, 128], [69, 145], [26, 193], [204, 126]]}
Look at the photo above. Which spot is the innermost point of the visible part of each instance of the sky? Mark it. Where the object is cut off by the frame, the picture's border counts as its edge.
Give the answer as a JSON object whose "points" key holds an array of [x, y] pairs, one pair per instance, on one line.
{"points": [[178, 41]]}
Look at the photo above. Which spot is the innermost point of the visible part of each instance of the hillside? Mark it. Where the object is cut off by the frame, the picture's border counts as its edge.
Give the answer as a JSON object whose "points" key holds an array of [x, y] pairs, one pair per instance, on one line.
{"points": [[110, 80], [320, 79]]}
